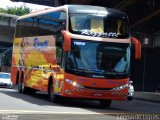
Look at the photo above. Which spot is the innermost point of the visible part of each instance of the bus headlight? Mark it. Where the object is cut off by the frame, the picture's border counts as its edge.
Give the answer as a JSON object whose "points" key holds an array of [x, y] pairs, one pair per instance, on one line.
{"points": [[73, 83], [121, 87]]}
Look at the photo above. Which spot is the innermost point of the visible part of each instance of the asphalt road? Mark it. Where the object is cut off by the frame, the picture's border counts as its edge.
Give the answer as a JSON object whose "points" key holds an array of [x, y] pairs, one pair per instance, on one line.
{"points": [[16, 106]]}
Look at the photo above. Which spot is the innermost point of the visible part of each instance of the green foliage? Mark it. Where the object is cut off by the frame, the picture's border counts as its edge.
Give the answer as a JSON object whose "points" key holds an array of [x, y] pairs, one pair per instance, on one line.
{"points": [[2, 10], [22, 10]]}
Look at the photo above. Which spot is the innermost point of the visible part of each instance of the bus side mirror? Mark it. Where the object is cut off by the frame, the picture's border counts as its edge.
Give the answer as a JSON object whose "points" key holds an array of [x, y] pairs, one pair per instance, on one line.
{"points": [[67, 40], [137, 45]]}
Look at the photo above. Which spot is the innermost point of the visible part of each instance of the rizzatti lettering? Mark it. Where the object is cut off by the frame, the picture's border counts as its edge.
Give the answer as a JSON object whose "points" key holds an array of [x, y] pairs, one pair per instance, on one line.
{"points": [[97, 34], [38, 44]]}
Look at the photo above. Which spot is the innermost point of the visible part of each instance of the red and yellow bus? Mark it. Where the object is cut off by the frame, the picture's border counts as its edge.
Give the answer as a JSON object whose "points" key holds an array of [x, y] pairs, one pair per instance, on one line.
{"points": [[74, 51]]}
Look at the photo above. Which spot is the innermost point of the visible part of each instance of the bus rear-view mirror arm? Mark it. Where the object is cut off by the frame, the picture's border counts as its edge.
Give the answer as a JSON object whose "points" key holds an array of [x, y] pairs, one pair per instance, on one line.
{"points": [[67, 40], [137, 45]]}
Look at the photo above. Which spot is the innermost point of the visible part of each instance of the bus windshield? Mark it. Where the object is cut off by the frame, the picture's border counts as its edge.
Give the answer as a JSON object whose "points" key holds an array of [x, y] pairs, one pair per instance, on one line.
{"points": [[99, 25], [99, 58]]}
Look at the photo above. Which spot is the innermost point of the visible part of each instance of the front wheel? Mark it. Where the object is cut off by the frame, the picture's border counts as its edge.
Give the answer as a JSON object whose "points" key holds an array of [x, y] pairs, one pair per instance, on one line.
{"points": [[52, 96], [105, 103]]}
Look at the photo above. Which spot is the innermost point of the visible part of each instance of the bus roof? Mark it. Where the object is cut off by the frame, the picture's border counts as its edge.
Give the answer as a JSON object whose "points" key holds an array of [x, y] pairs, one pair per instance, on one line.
{"points": [[40, 12], [80, 9], [96, 10]]}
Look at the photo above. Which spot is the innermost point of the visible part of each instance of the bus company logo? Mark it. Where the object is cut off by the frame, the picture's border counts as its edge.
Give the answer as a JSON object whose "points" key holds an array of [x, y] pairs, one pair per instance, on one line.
{"points": [[97, 34], [98, 76], [40, 45]]}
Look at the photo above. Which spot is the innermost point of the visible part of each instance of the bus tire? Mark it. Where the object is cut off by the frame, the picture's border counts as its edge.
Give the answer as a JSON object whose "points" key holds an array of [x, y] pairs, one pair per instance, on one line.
{"points": [[105, 103], [52, 96], [21, 87]]}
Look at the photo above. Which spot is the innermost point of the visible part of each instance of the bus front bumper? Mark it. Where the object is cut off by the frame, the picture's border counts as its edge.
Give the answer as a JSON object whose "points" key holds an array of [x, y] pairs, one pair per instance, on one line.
{"points": [[120, 93]]}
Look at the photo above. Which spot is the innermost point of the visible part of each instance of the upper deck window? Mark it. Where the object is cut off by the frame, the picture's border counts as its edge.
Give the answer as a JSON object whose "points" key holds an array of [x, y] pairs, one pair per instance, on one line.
{"points": [[99, 25], [40, 25]]}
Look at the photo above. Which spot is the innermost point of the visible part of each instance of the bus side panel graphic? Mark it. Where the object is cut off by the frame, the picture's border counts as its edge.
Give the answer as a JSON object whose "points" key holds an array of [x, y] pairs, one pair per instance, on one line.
{"points": [[31, 52]]}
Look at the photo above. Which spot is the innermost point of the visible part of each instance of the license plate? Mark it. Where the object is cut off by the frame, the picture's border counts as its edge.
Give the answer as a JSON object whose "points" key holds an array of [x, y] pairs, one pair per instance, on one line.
{"points": [[98, 94]]}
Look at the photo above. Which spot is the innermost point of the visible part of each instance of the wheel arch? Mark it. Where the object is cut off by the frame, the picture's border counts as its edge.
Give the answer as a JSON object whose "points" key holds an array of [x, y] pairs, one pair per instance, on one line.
{"points": [[22, 75], [50, 81]]}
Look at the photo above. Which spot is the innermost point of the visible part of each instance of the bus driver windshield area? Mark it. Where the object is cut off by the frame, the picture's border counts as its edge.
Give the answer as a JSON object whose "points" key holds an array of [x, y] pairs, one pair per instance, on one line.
{"points": [[99, 25], [99, 59]]}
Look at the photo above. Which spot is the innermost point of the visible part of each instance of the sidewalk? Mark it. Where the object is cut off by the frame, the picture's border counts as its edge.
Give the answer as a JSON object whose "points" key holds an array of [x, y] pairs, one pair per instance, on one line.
{"points": [[147, 96]]}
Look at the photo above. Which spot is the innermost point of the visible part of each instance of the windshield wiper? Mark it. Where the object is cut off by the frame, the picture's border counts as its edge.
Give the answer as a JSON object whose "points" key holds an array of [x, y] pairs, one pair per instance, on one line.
{"points": [[92, 71], [115, 73]]}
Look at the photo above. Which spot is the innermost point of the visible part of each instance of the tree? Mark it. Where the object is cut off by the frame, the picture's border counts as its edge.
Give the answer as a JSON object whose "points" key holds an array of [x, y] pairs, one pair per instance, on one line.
{"points": [[22, 10], [2, 10]]}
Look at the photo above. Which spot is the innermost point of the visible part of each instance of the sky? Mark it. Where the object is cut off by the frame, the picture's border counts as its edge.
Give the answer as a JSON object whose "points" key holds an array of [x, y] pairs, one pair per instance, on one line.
{"points": [[8, 3]]}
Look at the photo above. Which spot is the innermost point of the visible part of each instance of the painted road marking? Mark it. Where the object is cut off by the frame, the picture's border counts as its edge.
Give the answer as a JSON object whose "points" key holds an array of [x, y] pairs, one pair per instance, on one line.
{"points": [[53, 112], [43, 112]]}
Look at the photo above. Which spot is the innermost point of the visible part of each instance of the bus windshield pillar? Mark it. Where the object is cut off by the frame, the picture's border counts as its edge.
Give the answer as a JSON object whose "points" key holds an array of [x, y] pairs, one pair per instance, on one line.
{"points": [[67, 40]]}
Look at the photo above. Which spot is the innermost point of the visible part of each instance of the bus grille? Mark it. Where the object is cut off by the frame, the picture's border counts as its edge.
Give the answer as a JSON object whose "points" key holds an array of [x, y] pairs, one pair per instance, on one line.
{"points": [[94, 88]]}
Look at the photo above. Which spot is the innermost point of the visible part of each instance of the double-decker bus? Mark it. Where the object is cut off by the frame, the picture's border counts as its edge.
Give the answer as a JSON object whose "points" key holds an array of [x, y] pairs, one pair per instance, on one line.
{"points": [[74, 51]]}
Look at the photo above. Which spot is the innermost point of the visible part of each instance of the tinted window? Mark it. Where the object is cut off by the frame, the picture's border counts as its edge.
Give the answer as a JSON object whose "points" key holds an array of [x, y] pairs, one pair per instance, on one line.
{"points": [[99, 25], [103, 58], [47, 24], [4, 76]]}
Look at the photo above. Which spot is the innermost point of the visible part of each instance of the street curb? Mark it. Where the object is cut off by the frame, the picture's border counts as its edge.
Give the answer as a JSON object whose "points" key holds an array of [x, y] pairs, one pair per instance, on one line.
{"points": [[147, 100], [147, 96]]}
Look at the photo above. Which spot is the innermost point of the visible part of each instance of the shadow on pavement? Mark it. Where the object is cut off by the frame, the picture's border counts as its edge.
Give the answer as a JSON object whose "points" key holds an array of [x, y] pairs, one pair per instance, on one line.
{"points": [[38, 99], [42, 99]]}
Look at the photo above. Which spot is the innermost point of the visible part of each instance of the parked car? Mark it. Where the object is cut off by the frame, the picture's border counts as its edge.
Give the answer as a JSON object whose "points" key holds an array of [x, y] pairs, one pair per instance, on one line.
{"points": [[5, 80]]}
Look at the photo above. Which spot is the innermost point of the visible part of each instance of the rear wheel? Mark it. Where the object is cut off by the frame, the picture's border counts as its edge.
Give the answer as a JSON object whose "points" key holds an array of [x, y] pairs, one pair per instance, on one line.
{"points": [[52, 96], [105, 103], [21, 87]]}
